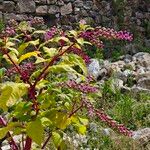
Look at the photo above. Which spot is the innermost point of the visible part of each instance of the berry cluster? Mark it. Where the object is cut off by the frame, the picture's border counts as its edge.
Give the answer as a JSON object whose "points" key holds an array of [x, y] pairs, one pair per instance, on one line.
{"points": [[10, 31], [109, 33], [92, 37], [36, 21], [26, 70], [50, 33], [81, 53], [107, 119], [85, 88], [101, 32]]}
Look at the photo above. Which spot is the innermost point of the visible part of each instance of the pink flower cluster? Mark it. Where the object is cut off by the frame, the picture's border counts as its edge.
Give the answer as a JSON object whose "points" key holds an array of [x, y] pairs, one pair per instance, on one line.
{"points": [[101, 32], [83, 87], [50, 33], [107, 119], [81, 53]]}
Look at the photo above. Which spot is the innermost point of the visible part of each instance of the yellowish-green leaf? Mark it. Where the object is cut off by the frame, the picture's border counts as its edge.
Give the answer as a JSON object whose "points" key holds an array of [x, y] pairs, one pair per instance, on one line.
{"points": [[74, 33], [40, 60], [81, 129], [3, 132], [35, 131], [50, 51], [57, 139], [84, 121], [13, 57], [5, 96], [23, 46], [28, 55], [11, 92]]}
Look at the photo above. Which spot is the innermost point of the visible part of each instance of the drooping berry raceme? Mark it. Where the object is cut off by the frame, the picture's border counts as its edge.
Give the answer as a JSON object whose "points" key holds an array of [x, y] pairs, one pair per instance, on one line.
{"points": [[50, 33], [81, 53], [83, 87], [107, 119], [10, 31], [98, 33], [26, 70]]}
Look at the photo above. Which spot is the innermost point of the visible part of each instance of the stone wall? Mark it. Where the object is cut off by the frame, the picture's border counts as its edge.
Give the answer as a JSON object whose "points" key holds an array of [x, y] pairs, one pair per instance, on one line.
{"points": [[119, 14]]}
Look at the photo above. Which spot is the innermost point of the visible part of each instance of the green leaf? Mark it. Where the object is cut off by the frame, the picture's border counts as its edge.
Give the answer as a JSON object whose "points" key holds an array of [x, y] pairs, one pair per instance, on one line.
{"points": [[11, 92], [3, 132], [28, 55], [13, 57], [74, 33], [5, 96], [84, 121], [81, 129], [2, 72], [57, 139], [23, 46], [50, 51], [35, 131]]}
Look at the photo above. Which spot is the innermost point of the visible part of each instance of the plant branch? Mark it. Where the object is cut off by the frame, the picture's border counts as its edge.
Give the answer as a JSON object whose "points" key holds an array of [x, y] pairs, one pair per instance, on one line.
{"points": [[74, 111], [12, 143], [42, 74], [47, 140], [28, 143]]}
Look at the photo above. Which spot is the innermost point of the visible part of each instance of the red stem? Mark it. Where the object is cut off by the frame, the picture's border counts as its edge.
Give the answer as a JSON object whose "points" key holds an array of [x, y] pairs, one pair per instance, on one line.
{"points": [[47, 140], [73, 112], [28, 143], [12, 143], [42, 74]]}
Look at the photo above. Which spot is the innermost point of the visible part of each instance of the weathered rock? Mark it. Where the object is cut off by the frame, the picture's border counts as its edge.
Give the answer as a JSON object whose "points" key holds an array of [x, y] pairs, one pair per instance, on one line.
{"points": [[53, 9], [42, 10], [94, 68], [66, 9], [142, 59], [52, 1], [41, 1], [142, 136], [144, 83], [9, 6], [26, 6]]}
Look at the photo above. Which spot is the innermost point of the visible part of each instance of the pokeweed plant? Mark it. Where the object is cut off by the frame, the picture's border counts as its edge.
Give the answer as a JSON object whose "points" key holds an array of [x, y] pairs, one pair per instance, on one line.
{"points": [[45, 83]]}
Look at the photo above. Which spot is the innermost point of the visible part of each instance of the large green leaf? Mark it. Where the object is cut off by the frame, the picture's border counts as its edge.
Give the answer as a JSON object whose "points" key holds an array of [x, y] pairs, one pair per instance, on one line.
{"points": [[50, 51], [35, 131], [57, 139], [28, 55], [5, 96], [75, 60], [3, 132], [11, 92], [23, 46]]}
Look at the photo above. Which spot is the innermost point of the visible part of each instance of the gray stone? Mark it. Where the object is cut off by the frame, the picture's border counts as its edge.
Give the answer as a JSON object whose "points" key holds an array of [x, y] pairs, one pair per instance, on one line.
{"points": [[142, 59], [144, 83], [94, 68], [41, 1], [142, 136], [1, 7], [9, 6], [137, 89], [1, 16], [78, 3], [42, 10], [53, 9], [66, 9], [147, 43], [26, 6], [52, 1]]}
